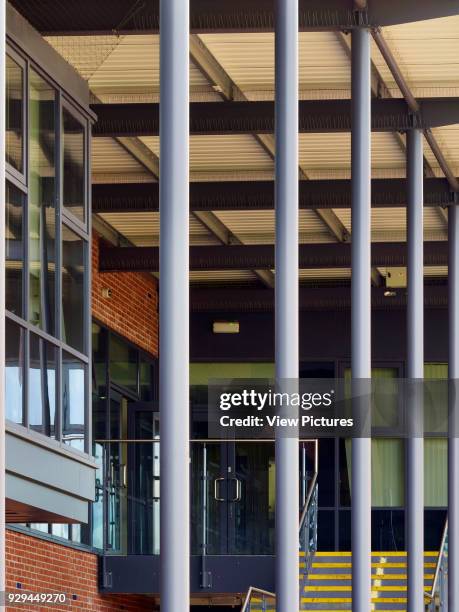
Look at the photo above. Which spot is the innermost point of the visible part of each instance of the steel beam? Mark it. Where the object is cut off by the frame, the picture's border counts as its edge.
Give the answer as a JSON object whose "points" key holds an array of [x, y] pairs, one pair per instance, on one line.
{"points": [[286, 296], [261, 256], [453, 440], [207, 16], [259, 195], [361, 311], [415, 372], [2, 301], [174, 307], [236, 300], [387, 115]]}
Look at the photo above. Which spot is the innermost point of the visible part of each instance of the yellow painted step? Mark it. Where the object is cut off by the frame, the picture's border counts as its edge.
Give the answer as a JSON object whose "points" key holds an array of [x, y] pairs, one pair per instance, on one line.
{"points": [[319, 565], [381, 576]]}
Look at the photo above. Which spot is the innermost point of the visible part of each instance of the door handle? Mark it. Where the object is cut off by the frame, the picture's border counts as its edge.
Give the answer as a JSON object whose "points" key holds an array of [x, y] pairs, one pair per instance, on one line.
{"points": [[238, 490], [216, 496]]}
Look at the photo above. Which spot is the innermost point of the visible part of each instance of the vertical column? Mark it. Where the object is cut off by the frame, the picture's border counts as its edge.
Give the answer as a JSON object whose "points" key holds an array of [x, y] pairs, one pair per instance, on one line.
{"points": [[453, 442], [173, 304], [415, 371], [2, 293], [286, 296], [361, 311]]}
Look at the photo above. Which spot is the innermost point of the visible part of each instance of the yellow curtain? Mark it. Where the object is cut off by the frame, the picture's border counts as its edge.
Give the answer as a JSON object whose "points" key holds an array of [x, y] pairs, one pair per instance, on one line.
{"points": [[436, 449]]}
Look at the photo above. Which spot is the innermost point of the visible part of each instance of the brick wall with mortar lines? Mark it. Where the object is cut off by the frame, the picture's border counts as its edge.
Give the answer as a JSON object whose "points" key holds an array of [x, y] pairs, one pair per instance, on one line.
{"points": [[47, 567], [132, 309]]}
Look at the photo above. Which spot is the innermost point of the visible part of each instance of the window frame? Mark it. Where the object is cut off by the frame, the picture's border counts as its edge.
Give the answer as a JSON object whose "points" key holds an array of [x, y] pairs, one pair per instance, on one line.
{"points": [[21, 181], [23, 63]]}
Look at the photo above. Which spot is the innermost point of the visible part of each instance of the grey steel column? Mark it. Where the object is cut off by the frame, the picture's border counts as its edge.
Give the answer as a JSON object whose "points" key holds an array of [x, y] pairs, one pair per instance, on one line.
{"points": [[361, 311], [2, 294], [453, 442], [415, 371], [173, 305], [286, 296]]}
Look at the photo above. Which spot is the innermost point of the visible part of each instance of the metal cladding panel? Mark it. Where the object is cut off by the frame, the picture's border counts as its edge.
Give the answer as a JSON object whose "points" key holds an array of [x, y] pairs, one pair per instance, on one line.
{"points": [[389, 224], [258, 227], [110, 159], [328, 155], [123, 68], [427, 54], [324, 70], [448, 139], [142, 228]]}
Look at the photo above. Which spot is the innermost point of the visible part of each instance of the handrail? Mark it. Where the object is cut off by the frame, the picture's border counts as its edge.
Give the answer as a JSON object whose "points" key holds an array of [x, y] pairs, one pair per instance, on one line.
{"points": [[431, 594], [304, 514], [248, 597]]}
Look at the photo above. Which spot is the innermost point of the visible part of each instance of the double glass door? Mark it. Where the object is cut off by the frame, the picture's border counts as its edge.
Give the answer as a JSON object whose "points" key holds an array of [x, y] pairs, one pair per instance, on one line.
{"points": [[232, 488], [233, 496]]}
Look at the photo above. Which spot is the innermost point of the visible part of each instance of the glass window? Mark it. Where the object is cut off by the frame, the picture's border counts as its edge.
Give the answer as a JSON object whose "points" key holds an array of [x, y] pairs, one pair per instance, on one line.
{"points": [[42, 217], [74, 166], [99, 381], [73, 289], [60, 530], [14, 140], [14, 249], [42, 386], [14, 371], [146, 381], [123, 364], [73, 401]]}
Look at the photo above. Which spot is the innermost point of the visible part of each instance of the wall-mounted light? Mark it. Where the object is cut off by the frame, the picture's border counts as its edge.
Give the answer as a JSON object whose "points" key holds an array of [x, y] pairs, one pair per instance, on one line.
{"points": [[225, 327]]}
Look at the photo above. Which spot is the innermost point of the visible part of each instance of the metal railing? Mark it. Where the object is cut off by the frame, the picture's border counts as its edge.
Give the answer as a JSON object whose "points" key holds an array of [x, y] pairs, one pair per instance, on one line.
{"points": [[437, 597], [258, 600]]}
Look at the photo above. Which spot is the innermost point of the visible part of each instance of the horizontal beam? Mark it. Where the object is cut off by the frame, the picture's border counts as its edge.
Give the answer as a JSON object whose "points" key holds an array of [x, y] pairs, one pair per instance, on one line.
{"points": [[261, 256], [388, 115], [126, 16], [259, 195], [239, 300]]}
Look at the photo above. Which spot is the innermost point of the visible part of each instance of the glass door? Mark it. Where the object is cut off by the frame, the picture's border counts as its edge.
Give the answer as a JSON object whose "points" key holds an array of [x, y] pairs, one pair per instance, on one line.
{"points": [[233, 495], [143, 485], [116, 476]]}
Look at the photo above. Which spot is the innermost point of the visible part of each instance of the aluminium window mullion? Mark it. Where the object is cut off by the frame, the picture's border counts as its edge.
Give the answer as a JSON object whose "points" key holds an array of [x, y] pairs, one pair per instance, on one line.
{"points": [[88, 434], [58, 264]]}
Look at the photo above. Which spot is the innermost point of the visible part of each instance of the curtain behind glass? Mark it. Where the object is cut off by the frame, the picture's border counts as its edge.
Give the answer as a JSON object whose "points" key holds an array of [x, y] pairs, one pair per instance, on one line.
{"points": [[387, 461], [436, 450]]}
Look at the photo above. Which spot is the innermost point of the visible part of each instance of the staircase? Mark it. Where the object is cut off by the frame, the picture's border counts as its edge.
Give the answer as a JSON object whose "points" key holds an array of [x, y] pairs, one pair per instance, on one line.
{"points": [[328, 586], [326, 577]]}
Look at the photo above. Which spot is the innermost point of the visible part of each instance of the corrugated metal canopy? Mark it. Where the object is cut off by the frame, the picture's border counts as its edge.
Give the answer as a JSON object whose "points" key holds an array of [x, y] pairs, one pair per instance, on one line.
{"points": [[125, 68]]}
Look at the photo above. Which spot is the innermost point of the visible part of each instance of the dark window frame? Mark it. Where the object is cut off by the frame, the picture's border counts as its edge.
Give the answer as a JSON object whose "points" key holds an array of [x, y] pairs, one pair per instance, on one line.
{"points": [[83, 230]]}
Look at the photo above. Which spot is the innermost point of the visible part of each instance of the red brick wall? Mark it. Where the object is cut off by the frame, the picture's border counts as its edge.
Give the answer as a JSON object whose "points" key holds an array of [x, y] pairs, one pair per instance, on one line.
{"points": [[46, 567], [132, 309]]}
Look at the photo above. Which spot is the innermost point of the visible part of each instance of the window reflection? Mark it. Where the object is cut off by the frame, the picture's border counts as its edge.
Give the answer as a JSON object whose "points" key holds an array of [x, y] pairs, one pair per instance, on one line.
{"points": [[42, 386], [74, 170], [14, 249], [14, 140], [73, 289], [73, 401], [123, 364], [42, 221], [14, 371]]}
